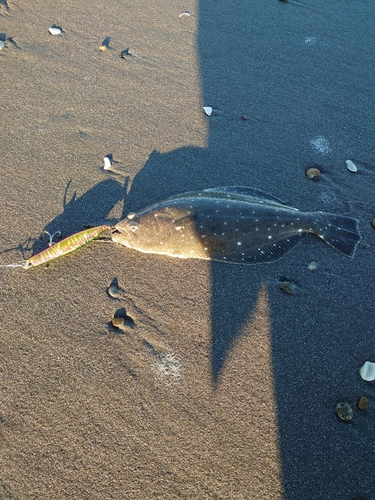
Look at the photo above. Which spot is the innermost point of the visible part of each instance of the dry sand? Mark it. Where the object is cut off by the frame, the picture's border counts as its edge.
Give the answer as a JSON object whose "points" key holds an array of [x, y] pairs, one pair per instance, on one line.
{"points": [[226, 386]]}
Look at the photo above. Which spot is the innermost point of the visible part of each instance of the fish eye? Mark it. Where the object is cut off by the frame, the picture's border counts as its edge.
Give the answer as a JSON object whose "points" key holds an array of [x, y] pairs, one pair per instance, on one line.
{"points": [[130, 215], [133, 226]]}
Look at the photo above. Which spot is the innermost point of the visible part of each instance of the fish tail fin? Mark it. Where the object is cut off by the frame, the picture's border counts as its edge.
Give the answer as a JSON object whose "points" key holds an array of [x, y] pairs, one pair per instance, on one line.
{"points": [[341, 232]]}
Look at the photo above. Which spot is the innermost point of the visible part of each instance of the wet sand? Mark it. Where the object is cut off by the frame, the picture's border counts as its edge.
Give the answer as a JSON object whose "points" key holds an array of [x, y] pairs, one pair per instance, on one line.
{"points": [[226, 386]]}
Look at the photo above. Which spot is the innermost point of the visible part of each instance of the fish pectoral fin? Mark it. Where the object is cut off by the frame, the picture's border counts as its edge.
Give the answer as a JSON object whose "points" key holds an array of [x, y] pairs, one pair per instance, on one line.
{"points": [[264, 253], [187, 219]]}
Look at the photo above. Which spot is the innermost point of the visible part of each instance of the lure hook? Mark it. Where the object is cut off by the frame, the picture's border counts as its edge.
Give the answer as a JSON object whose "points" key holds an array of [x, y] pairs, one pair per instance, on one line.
{"points": [[51, 236]]}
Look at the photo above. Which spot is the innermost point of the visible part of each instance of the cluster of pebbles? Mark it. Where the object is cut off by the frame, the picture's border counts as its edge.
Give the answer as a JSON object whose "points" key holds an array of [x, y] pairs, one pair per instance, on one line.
{"points": [[103, 47], [314, 172], [121, 321], [343, 410]]}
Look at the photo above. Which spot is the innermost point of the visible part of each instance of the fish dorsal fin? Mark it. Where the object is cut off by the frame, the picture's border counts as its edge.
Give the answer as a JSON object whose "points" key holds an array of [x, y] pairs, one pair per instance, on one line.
{"points": [[245, 191], [265, 253], [239, 193]]}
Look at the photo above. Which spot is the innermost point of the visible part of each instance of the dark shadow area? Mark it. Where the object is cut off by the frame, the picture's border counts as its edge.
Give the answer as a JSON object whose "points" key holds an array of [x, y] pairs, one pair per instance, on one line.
{"points": [[8, 40], [90, 209], [4, 3]]}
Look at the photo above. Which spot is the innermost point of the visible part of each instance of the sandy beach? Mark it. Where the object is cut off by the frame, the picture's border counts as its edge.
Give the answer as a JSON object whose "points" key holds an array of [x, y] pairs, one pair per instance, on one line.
{"points": [[225, 386]]}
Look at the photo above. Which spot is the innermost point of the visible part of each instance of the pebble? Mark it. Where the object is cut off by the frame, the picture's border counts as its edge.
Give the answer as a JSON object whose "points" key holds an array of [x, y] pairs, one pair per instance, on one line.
{"points": [[114, 292], [55, 31], [286, 286], [363, 403], [367, 371], [125, 53], [102, 48], [373, 223], [313, 266], [2, 45], [118, 321], [312, 172], [107, 163], [350, 166], [207, 110], [344, 411]]}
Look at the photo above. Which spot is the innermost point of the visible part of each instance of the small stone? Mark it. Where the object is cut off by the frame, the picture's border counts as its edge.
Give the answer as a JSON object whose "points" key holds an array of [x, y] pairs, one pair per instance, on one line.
{"points": [[367, 371], [55, 30], [312, 172], [125, 53], [313, 266], [350, 166], [286, 286], [344, 411], [243, 118], [207, 110], [113, 291], [373, 223], [102, 48], [2, 44], [363, 403], [118, 322]]}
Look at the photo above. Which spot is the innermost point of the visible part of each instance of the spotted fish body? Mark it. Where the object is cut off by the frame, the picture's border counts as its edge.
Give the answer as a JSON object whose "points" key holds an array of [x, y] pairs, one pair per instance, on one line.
{"points": [[230, 224]]}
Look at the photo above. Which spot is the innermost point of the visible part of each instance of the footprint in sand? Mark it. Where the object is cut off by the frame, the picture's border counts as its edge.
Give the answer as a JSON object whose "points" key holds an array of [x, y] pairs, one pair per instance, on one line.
{"points": [[144, 344]]}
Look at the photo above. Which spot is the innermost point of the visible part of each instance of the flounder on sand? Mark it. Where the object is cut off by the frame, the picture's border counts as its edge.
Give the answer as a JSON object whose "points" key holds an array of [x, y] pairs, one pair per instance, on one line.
{"points": [[230, 224]]}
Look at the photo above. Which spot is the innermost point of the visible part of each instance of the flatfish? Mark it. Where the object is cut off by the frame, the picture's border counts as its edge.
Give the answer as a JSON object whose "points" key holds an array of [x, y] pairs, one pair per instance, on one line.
{"points": [[231, 224]]}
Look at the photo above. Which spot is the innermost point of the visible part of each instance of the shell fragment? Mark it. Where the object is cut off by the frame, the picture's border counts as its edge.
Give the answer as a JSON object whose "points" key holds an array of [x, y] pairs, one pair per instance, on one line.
{"points": [[367, 371], [107, 163], [207, 110], [185, 14], [55, 31], [350, 166], [2, 44]]}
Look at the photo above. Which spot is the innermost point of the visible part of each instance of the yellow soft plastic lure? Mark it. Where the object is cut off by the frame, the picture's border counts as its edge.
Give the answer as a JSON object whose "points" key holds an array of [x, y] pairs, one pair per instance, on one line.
{"points": [[63, 247]]}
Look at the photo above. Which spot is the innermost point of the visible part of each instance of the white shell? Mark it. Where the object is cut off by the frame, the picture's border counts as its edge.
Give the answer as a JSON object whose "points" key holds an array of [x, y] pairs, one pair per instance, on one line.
{"points": [[107, 163], [207, 110], [367, 371], [184, 14], [55, 31], [2, 44], [113, 291], [350, 166]]}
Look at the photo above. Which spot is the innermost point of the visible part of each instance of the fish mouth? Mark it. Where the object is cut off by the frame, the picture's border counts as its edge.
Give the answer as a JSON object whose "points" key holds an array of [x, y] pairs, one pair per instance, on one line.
{"points": [[131, 222]]}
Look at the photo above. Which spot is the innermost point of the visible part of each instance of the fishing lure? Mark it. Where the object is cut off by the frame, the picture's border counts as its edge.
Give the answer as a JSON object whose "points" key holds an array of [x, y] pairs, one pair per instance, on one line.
{"points": [[63, 247]]}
